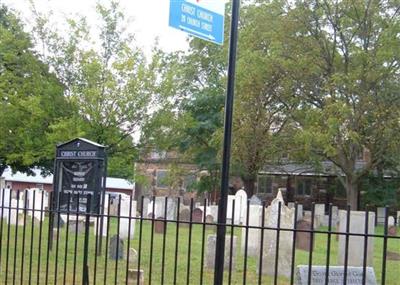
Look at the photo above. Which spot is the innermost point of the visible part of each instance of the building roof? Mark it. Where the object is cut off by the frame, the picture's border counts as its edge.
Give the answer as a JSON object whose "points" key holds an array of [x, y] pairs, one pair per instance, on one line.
{"points": [[111, 182]]}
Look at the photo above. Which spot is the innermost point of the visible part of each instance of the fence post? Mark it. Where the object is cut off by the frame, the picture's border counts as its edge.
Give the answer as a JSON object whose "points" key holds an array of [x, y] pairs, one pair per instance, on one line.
{"points": [[221, 230], [85, 277]]}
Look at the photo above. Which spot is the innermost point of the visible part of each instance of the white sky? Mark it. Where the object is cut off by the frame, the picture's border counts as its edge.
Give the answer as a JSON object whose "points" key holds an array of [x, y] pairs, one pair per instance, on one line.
{"points": [[149, 18]]}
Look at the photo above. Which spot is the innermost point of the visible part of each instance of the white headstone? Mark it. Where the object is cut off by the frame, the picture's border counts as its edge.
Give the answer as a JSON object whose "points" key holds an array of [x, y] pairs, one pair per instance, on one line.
{"points": [[254, 200], [124, 231], [319, 214], [98, 228], [356, 243], [253, 238], [380, 215], [391, 221], [230, 207], [285, 239], [398, 218], [5, 196], [213, 211], [14, 214], [240, 207], [145, 206], [171, 208]]}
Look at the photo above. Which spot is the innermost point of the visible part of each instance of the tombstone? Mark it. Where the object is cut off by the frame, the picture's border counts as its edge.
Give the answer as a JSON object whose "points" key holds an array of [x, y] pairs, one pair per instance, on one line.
{"points": [[319, 213], [14, 215], [5, 196], [213, 211], [380, 215], [145, 206], [210, 220], [184, 215], [285, 239], [303, 238], [197, 215], [124, 231], [171, 209], [307, 217], [159, 225], [133, 277], [35, 203], [116, 248], [133, 256], [98, 227], [392, 231], [391, 221], [253, 237], [240, 207], [398, 218], [159, 207], [336, 273], [254, 200], [356, 243], [210, 253], [299, 210], [229, 208]]}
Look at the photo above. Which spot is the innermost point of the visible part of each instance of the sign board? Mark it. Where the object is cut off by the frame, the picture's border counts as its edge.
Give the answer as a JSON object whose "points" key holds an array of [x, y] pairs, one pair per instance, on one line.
{"points": [[201, 18], [336, 275], [80, 171]]}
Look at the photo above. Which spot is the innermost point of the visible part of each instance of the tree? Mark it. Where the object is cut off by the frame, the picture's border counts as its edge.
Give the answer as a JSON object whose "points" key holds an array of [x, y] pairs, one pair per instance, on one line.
{"points": [[342, 65], [31, 100], [107, 79]]}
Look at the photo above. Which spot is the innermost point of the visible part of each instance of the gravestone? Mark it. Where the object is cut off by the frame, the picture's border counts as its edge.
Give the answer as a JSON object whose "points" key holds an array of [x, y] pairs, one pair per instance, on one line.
{"points": [[356, 243], [285, 239], [197, 215], [307, 216], [159, 225], [380, 215], [133, 277], [398, 218], [240, 207], [391, 221], [124, 230], [254, 200], [299, 210], [319, 214], [210, 220], [213, 211], [5, 196], [229, 208], [210, 253], [98, 227], [303, 238], [253, 238], [145, 206], [184, 215], [171, 209], [116, 248], [392, 231], [15, 215], [336, 275]]}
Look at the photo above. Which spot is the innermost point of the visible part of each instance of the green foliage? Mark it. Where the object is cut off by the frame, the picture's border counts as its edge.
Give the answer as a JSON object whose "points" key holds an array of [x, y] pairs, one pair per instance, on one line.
{"points": [[31, 99], [380, 192]]}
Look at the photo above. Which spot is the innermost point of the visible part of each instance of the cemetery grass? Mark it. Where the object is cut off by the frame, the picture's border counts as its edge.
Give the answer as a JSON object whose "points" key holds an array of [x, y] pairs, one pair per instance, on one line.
{"points": [[23, 257]]}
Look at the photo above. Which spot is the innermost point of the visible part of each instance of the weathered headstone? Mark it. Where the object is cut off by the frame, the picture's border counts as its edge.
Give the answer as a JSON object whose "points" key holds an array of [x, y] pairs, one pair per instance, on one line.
{"points": [[159, 225], [356, 243], [133, 277], [398, 218], [299, 210], [97, 221], [336, 275], [319, 214], [210, 253], [213, 211], [240, 207], [116, 248], [197, 215], [303, 238], [5, 196], [229, 208], [254, 200], [380, 215], [391, 221], [171, 208], [145, 206], [253, 238], [124, 230], [285, 239], [184, 215]]}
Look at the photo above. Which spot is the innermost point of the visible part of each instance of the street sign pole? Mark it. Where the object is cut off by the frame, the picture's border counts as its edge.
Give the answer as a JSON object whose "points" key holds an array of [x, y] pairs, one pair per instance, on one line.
{"points": [[220, 244]]}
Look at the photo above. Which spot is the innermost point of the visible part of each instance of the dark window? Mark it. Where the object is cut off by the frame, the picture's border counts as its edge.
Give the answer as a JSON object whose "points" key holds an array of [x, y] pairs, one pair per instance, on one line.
{"points": [[189, 182], [161, 176], [264, 184], [304, 186]]}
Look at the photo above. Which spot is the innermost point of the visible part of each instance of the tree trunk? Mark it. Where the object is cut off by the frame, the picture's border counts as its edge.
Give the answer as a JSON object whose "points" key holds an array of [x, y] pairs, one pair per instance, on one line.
{"points": [[249, 186], [352, 194]]}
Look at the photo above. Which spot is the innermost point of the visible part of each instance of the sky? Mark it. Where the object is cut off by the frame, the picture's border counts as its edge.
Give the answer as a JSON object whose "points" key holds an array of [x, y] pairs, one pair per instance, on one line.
{"points": [[149, 18]]}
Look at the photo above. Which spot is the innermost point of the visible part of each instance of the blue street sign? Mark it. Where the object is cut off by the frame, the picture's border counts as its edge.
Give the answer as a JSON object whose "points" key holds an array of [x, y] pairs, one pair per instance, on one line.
{"points": [[201, 18]]}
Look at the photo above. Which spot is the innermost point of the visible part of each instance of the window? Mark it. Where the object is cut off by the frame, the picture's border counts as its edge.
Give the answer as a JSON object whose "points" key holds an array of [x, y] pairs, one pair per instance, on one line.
{"points": [[304, 186], [161, 176], [264, 184]]}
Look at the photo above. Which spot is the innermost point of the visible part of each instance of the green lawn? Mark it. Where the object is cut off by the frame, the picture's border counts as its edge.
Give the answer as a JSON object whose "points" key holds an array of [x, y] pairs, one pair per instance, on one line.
{"points": [[24, 258]]}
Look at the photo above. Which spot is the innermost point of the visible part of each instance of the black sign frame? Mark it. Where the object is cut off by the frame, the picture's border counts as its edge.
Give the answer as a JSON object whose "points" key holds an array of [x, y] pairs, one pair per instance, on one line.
{"points": [[80, 167]]}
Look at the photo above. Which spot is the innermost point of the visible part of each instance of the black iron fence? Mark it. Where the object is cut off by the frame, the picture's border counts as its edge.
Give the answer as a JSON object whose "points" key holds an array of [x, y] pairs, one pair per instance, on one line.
{"points": [[164, 244]]}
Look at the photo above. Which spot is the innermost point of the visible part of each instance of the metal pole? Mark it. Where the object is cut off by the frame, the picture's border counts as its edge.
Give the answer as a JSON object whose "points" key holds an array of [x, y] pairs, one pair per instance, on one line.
{"points": [[220, 245]]}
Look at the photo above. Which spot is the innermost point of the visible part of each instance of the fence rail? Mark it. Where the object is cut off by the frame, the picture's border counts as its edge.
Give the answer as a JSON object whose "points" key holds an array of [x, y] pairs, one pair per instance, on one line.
{"points": [[175, 244]]}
